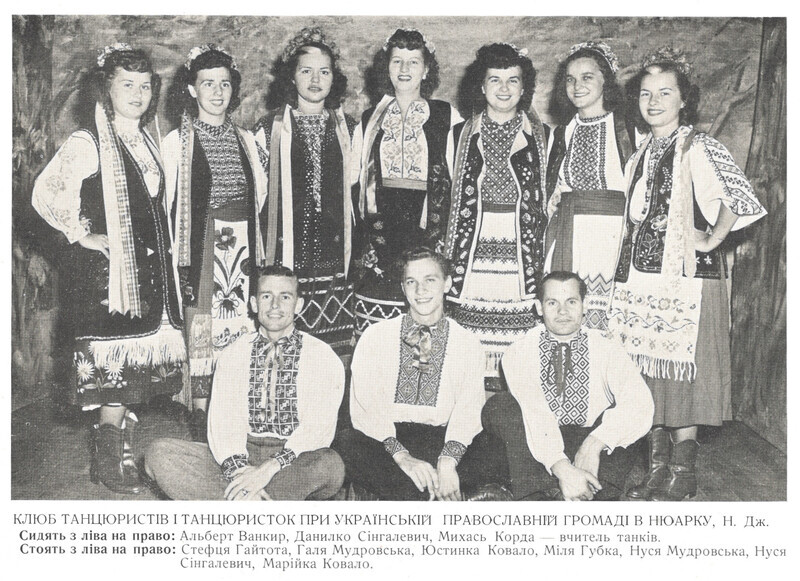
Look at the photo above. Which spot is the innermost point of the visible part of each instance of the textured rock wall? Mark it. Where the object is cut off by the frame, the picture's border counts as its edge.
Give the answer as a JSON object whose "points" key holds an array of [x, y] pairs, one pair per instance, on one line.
{"points": [[725, 50]]}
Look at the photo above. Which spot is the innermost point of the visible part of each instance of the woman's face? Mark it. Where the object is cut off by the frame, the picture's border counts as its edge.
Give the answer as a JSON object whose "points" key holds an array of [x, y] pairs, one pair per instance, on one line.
{"points": [[585, 87], [213, 90], [313, 76], [130, 93], [660, 101], [407, 69], [503, 90]]}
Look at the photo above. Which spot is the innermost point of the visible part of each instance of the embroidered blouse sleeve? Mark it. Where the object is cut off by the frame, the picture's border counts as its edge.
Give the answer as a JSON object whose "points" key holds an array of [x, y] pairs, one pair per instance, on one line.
{"points": [[319, 397], [370, 405], [717, 179], [228, 421], [57, 191], [465, 420], [632, 414], [521, 368]]}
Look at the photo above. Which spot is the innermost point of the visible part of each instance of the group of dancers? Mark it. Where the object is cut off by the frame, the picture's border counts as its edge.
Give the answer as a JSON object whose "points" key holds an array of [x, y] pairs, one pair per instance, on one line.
{"points": [[165, 237]]}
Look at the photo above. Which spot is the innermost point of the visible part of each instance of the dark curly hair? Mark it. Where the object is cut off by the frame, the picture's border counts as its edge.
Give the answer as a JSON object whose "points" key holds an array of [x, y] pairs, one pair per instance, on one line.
{"points": [[378, 81], [282, 90], [95, 83], [178, 97], [471, 99], [562, 109], [690, 94]]}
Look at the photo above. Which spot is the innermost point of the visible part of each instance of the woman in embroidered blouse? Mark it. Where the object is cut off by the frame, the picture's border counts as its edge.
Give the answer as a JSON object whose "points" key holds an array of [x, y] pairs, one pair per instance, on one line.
{"points": [[215, 186], [670, 302], [497, 221], [585, 184], [104, 189], [406, 146], [309, 215]]}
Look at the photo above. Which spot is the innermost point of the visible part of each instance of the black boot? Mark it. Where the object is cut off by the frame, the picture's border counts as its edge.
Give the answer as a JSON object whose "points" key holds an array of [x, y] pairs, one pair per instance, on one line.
{"points": [[658, 441], [111, 464], [683, 480]]}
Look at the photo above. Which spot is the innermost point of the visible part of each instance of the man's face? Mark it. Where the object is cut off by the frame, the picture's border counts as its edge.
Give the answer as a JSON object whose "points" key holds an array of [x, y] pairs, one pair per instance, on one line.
{"points": [[561, 307], [424, 285], [276, 303]]}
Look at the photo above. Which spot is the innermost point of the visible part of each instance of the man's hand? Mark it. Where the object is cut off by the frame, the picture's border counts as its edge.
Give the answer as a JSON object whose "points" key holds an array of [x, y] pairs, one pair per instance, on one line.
{"points": [[575, 483], [249, 482], [588, 456], [422, 474], [97, 242], [449, 484]]}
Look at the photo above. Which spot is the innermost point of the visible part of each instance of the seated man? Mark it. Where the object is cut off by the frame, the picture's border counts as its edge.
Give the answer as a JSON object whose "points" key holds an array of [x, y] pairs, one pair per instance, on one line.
{"points": [[416, 397], [273, 410], [574, 394]]}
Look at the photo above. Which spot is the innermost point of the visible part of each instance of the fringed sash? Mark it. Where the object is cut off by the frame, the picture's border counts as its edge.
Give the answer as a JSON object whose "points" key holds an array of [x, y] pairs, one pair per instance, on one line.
{"points": [[656, 316], [123, 278]]}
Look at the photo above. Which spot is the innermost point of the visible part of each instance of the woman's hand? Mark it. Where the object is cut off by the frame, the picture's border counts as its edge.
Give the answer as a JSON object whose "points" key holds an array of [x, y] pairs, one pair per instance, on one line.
{"points": [[97, 242], [705, 241]]}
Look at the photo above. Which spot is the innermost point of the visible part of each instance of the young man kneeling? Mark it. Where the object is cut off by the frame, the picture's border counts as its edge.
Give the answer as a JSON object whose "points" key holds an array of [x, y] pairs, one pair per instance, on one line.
{"points": [[273, 411], [416, 397]]}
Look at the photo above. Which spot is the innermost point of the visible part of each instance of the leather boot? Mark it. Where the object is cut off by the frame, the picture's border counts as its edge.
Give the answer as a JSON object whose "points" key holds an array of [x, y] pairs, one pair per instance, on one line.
{"points": [[683, 480], [110, 463], [658, 441]]}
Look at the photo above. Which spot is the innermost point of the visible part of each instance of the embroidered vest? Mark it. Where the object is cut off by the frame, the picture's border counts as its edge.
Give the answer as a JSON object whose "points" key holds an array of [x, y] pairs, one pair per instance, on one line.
{"points": [[201, 193], [558, 150], [436, 129], [86, 271], [643, 243], [531, 221]]}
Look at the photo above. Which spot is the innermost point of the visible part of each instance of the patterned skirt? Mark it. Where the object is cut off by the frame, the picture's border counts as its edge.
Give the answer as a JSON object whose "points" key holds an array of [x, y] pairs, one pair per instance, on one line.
{"points": [[327, 312], [707, 399], [584, 237], [491, 304], [221, 315], [129, 370], [392, 231]]}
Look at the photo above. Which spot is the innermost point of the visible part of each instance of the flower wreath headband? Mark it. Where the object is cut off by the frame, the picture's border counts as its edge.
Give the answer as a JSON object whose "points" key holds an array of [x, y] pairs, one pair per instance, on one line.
{"points": [[306, 36], [428, 44], [203, 48], [600, 48], [103, 53], [667, 54]]}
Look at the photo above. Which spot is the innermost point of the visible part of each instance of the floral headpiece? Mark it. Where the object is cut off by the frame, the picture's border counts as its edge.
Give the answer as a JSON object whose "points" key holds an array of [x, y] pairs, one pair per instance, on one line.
{"points": [[667, 54], [102, 53], [521, 52], [305, 37], [600, 48], [428, 44], [198, 50]]}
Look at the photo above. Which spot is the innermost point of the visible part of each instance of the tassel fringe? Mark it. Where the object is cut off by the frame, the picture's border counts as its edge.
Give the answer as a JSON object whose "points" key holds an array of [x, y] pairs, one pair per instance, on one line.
{"points": [[165, 346], [660, 368]]}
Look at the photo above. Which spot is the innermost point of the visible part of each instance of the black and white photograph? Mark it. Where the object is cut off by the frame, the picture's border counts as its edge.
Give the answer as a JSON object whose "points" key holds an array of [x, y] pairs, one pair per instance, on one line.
{"points": [[397, 261]]}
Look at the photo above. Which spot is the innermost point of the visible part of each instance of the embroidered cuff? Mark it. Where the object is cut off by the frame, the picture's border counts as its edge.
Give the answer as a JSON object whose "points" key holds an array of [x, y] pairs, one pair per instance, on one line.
{"points": [[453, 449], [393, 446], [232, 464], [285, 457]]}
